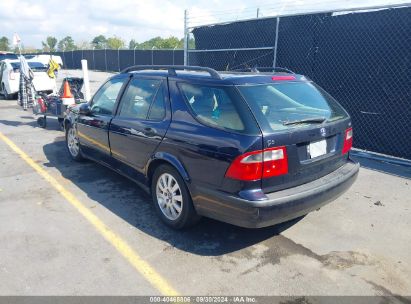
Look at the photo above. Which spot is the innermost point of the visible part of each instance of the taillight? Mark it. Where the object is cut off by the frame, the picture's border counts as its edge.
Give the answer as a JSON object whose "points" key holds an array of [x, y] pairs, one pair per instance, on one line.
{"points": [[259, 164], [11, 75], [347, 141]]}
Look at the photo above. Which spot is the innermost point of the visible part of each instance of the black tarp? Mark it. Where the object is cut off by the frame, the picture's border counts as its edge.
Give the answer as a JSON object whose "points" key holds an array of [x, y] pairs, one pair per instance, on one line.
{"points": [[115, 60], [362, 59]]}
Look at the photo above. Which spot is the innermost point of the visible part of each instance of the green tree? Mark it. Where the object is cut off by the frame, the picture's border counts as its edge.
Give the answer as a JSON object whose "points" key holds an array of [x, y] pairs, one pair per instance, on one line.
{"points": [[133, 44], [4, 44], [66, 44], [170, 43], [158, 43], [99, 42], [115, 43], [50, 44]]}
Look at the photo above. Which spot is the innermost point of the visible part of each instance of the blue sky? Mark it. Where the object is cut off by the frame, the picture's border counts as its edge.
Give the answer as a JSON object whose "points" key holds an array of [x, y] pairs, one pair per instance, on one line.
{"points": [[34, 20]]}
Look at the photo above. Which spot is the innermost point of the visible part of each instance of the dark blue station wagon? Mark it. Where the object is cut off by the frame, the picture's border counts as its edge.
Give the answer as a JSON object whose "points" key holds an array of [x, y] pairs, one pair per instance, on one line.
{"points": [[251, 149]]}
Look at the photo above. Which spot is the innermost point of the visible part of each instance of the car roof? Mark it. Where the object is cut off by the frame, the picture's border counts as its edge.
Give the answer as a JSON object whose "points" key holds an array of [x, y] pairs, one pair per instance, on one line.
{"points": [[227, 78]]}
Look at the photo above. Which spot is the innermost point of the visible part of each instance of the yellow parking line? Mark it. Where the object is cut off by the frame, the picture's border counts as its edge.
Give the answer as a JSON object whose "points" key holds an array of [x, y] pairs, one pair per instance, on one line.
{"points": [[143, 267]]}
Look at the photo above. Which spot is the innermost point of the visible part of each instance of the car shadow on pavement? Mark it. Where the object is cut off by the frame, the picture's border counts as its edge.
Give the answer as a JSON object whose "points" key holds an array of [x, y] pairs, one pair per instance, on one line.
{"points": [[18, 123], [125, 199], [52, 124]]}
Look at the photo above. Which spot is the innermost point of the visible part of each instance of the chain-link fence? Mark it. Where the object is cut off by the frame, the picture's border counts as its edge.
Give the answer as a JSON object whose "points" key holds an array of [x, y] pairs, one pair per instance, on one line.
{"points": [[362, 58], [116, 60]]}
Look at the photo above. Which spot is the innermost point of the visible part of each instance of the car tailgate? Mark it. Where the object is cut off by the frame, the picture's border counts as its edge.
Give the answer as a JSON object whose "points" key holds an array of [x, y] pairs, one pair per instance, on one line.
{"points": [[312, 152], [42, 82]]}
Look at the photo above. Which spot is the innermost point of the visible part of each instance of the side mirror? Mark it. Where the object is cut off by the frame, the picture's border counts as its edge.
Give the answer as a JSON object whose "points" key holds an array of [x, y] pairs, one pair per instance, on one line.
{"points": [[84, 109]]}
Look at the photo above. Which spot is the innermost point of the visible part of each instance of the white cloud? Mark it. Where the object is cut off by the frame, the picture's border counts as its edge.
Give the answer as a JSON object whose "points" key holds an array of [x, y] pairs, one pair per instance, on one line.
{"points": [[34, 20]]}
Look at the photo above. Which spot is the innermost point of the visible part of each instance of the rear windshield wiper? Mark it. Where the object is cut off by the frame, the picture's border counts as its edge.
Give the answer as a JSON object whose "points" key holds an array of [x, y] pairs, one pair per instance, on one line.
{"points": [[305, 120]]}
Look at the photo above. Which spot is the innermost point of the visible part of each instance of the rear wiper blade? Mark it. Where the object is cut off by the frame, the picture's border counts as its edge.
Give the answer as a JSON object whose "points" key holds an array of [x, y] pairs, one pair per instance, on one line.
{"points": [[305, 120]]}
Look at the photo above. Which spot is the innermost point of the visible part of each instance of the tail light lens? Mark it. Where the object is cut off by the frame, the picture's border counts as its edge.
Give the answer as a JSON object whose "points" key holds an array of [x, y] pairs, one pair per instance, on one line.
{"points": [[347, 141], [259, 164], [12, 76]]}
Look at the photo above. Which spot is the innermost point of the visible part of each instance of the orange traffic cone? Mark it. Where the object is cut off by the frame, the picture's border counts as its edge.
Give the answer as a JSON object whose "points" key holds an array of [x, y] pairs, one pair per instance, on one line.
{"points": [[67, 98]]}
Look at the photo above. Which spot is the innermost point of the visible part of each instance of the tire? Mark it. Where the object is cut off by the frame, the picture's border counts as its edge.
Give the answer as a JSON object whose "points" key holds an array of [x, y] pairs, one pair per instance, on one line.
{"points": [[42, 122], [170, 200], [72, 144], [61, 123]]}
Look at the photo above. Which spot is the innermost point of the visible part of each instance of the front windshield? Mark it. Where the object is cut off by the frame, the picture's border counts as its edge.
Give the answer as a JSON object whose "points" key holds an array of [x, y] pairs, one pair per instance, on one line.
{"points": [[280, 106]]}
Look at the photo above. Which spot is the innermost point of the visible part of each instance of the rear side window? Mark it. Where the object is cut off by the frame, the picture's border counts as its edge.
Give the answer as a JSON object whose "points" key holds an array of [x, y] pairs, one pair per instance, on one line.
{"points": [[138, 98], [158, 110], [214, 106], [281, 106]]}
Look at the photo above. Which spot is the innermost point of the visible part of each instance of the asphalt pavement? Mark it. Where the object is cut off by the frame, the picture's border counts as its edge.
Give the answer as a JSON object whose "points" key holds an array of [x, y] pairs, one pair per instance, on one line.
{"points": [[64, 225]]}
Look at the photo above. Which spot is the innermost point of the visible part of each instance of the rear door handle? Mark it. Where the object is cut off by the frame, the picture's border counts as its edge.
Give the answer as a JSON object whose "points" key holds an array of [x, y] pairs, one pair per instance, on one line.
{"points": [[149, 132]]}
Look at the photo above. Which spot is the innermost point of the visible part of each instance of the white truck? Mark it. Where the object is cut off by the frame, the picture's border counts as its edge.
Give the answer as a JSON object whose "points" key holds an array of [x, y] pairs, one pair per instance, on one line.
{"points": [[10, 77], [44, 59]]}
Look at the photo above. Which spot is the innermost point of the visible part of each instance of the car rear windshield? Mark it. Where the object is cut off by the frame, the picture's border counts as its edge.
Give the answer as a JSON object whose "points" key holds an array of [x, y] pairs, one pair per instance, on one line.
{"points": [[285, 105], [34, 66]]}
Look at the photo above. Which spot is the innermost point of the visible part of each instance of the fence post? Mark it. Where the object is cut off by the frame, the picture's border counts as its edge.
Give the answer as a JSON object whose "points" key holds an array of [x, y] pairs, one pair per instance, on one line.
{"points": [[276, 42], [72, 58], [105, 57], [94, 62], [152, 55], [174, 52], [135, 55], [118, 57], [64, 58], [185, 39]]}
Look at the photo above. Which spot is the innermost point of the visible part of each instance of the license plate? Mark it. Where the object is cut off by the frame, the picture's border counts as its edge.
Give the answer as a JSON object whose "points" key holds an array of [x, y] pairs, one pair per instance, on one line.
{"points": [[318, 148]]}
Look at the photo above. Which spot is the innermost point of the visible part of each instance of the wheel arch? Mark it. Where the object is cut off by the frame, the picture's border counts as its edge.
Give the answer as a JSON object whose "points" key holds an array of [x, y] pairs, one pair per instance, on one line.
{"points": [[160, 158], [67, 122]]}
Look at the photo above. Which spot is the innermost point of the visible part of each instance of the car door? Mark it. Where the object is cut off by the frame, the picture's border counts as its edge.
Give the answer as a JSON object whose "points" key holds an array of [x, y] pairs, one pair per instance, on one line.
{"points": [[92, 129], [141, 121]]}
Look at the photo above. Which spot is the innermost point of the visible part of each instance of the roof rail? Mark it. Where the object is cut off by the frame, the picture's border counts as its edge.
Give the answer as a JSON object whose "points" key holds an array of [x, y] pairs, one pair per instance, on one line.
{"points": [[172, 69], [265, 69]]}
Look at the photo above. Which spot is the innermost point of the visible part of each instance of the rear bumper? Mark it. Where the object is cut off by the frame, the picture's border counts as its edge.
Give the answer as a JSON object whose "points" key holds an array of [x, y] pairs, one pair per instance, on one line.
{"points": [[280, 206]]}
